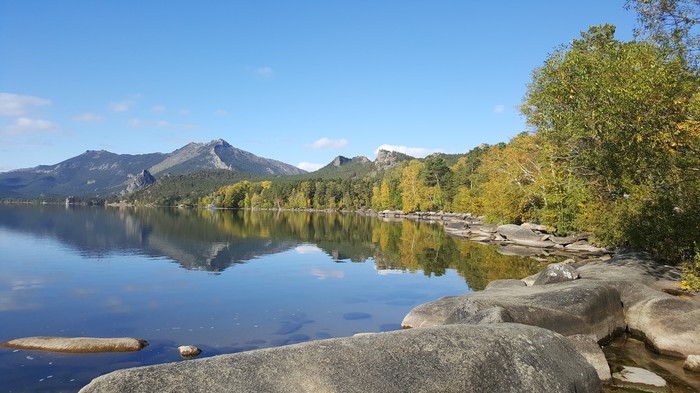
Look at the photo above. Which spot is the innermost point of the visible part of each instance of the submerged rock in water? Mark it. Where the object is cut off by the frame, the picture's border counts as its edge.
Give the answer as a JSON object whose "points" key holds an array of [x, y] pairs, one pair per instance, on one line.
{"points": [[639, 378], [457, 358], [77, 344]]}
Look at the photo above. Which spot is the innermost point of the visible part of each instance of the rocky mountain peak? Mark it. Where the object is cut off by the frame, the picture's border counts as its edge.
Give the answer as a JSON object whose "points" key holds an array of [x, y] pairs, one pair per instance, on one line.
{"points": [[220, 142], [387, 159], [340, 160], [139, 182]]}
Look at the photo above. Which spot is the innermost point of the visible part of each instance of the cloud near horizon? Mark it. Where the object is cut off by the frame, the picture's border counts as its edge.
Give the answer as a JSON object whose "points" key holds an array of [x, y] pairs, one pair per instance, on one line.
{"points": [[417, 152], [16, 105], [500, 108], [309, 166], [25, 126], [325, 143]]}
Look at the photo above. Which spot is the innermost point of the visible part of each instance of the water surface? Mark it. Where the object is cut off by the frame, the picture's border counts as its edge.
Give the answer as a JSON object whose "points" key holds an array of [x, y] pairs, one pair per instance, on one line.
{"points": [[225, 281]]}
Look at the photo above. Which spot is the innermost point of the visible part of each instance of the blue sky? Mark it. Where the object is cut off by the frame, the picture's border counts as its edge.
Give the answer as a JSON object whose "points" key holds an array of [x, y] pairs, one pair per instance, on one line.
{"points": [[297, 81]]}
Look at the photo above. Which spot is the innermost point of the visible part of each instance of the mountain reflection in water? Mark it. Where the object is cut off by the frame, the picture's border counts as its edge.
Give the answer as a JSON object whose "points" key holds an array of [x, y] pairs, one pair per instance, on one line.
{"points": [[215, 240], [225, 281]]}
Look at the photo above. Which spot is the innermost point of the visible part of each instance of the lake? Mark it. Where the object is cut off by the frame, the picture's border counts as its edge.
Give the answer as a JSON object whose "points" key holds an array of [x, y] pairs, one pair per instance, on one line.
{"points": [[225, 281]]}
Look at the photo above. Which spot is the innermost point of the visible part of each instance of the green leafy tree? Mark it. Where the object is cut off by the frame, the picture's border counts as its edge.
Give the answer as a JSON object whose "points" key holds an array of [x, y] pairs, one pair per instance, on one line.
{"points": [[622, 118], [670, 24]]}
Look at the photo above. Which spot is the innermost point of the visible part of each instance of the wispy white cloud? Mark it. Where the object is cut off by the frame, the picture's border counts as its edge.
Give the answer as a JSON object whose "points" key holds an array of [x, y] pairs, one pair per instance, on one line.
{"points": [[161, 124], [15, 105], [87, 117], [121, 106], [25, 126], [309, 166], [500, 108], [220, 112], [264, 72], [185, 111], [126, 104], [325, 143], [418, 152], [159, 108]]}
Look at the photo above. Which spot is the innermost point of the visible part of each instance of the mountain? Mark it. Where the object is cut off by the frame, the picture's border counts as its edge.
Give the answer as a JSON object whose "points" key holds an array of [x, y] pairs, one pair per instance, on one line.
{"points": [[102, 173], [219, 154], [344, 168]]}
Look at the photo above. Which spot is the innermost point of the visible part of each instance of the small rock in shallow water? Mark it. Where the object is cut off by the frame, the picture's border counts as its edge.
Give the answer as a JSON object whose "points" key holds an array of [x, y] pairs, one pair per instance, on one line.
{"points": [[189, 351], [692, 363], [77, 344], [638, 378]]}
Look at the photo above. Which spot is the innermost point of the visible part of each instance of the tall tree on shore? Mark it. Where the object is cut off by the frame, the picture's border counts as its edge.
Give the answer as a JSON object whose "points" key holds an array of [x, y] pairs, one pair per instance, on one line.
{"points": [[623, 116], [670, 24]]}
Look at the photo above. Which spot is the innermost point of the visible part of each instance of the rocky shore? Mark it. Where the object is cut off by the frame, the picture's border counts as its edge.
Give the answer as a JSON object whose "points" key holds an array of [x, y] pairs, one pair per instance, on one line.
{"points": [[539, 333]]}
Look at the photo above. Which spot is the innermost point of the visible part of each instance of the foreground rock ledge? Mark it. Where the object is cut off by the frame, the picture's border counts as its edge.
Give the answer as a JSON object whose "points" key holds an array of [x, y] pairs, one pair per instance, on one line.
{"points": [[77, 344], [457, 358]]}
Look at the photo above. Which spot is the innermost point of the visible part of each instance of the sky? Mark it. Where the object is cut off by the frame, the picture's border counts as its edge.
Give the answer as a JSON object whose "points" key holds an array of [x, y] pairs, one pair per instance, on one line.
{"points": [[297, 81]]}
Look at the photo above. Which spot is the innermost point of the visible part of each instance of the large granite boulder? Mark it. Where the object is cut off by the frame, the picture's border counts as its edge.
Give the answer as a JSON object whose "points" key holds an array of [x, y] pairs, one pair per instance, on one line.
{"points": [[523, 236], [667, 323], [457, 358], [556, 272], [568, 308]]}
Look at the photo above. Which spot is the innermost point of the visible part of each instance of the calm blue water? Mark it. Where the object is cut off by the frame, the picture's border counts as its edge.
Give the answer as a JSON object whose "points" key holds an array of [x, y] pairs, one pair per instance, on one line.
{"points": [[223, 281], [110, 273]]}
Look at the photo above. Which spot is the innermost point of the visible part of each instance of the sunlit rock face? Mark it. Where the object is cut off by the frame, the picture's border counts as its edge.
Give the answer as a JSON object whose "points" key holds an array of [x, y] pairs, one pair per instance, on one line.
{"points": [[457, 358], [139, 182]]}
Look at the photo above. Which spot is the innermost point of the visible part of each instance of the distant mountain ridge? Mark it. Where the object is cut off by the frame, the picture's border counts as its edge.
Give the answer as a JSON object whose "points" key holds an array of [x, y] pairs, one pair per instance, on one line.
{"points": [[343, 167], [102, 173]]}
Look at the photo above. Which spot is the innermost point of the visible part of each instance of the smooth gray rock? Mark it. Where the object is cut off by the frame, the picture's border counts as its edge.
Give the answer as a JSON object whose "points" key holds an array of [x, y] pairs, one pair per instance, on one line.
{"points": [[489, 315], [589, 348], [692, 363], [668, 324], [516, 232], [530, 280], [457, 358], [189, 351], [556, 272], [535, 227], [77, 344], [505, 283], [520, 251], [582, 245], [575, 307]]}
